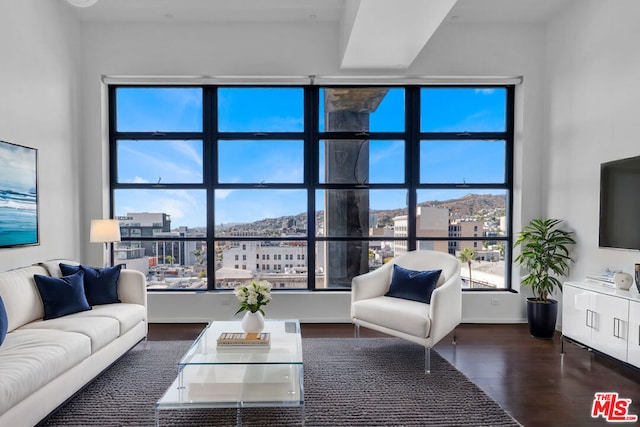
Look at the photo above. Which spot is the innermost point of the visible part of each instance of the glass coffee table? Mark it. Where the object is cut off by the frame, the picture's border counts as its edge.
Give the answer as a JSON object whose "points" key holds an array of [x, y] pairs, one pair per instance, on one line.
{"points": [[239, 377]]}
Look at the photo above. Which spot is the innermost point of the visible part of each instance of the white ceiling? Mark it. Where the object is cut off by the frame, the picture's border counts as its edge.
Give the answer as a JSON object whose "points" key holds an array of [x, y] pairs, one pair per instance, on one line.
{"points": [[514, 11], [212, 11], [410, 22]]}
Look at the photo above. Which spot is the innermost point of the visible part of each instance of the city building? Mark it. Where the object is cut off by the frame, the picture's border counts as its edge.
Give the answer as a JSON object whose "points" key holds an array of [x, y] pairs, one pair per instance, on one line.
{"points": [[160, 257]]}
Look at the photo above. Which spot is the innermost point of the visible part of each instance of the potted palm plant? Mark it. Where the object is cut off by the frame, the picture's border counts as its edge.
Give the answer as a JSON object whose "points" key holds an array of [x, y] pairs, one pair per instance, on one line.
{"points": [[545, 256]]}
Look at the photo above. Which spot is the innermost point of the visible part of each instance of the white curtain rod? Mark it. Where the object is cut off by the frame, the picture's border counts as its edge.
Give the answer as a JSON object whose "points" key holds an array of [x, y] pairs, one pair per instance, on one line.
{"points": [[314, 80]]}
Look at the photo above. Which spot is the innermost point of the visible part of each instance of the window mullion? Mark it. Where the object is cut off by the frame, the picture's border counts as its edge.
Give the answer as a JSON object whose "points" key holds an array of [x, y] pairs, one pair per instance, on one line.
{"points": [[311, 177], [412, 164], [209, 127]]}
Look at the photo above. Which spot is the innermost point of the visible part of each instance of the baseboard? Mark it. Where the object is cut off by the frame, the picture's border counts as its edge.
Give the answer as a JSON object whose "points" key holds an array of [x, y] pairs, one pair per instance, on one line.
{"points": [[501, 320], [207, 320]]}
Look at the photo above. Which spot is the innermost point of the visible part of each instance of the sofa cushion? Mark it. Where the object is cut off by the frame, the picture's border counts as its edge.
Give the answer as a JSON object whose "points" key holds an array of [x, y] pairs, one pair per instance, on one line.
{"points": [[53, 266], [4, 321], [100, 284], [62, 296], [413, 284], [127, 315], [20, 295], [32, 358], [101, 330], [409, 317]]}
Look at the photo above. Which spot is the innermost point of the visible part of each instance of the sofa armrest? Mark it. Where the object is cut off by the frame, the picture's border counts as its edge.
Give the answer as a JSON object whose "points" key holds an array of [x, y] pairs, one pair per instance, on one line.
{"points": [[132, 287], [446, 308], [372, 284]]}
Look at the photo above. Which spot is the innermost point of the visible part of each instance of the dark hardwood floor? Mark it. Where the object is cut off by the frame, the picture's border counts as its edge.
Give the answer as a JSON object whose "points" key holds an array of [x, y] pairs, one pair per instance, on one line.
{"points": [[528, 377]]}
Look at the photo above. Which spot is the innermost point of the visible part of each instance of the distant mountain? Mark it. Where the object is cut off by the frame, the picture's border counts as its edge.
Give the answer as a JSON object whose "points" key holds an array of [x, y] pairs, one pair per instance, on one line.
{"points": [[487, 205], [279, 223], [471, 205]]}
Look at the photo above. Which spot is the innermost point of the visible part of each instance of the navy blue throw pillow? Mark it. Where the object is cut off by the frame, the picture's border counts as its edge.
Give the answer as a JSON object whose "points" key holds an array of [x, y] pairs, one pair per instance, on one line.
{"points": [[100, 284], [4, 321], [413, 285], [62, 296]]}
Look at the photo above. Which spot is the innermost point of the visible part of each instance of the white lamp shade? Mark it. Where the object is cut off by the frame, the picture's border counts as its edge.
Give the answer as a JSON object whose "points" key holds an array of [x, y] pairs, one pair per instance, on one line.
{"points": [[104, 230]]}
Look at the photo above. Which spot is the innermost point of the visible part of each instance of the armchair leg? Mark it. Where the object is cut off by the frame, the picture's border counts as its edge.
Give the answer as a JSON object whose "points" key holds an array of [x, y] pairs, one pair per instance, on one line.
{"points": [[427, 360], [454, 337], [356, 330]]}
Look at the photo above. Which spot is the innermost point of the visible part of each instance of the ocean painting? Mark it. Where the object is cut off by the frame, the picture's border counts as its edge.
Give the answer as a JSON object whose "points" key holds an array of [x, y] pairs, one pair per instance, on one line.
{"points": [[18, 195]]}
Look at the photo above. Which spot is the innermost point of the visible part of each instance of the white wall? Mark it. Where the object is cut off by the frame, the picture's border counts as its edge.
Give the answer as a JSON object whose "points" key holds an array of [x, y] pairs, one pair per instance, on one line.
{"points": [[594, 90], [38, 108], [170, 49], [191, 307]]}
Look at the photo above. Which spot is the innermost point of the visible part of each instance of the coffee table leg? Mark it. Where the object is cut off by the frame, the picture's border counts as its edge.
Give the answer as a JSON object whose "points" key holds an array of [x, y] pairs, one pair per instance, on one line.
{"points": [[239, 417]]}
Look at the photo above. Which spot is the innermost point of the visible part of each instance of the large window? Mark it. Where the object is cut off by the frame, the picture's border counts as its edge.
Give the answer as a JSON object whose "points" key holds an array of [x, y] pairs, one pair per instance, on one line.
{"points": [[309, 186]]}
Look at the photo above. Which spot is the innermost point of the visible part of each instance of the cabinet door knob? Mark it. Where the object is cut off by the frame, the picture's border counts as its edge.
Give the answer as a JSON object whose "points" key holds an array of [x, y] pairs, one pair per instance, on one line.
{"points": [[617, 328], [586, 318]]}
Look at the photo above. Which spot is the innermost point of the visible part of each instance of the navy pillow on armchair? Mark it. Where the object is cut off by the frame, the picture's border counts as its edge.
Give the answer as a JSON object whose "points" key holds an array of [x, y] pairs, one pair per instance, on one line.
{"points": [[413, 285], [100, 284], [62, 296]]}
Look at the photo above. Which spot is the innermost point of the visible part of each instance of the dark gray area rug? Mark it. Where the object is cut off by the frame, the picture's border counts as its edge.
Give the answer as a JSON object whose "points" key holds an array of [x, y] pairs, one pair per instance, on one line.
{"points": [[381, 383]]}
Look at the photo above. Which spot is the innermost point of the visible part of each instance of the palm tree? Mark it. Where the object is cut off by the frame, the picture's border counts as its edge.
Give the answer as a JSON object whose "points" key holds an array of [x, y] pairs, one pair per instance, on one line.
{"points": [[467, 255], [501, 248], [199, 255]]}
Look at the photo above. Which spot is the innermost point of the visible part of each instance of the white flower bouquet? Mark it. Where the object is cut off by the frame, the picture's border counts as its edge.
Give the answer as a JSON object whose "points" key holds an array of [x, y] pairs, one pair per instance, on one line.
{"points": [[253, 295]]}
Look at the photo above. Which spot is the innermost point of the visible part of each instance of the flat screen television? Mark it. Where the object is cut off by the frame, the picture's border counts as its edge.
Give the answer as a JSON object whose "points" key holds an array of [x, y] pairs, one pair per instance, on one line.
{"points": [[620, 204]]}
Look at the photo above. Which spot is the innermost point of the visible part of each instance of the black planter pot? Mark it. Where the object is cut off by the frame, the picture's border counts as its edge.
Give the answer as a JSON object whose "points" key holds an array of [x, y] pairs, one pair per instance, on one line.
{"points": [[542, 318]]}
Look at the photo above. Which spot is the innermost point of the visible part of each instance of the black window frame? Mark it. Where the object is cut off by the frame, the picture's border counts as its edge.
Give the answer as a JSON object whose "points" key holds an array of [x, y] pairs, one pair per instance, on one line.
{"points": [[311, 137]]}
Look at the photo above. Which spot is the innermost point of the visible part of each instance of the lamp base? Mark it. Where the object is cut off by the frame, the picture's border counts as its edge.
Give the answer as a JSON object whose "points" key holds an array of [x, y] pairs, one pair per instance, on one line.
{"points": [[106, 256]]}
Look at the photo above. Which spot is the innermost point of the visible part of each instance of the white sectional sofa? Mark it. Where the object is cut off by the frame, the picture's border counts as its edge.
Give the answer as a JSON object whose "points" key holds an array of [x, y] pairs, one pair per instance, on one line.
{"points": [[45, 362]]}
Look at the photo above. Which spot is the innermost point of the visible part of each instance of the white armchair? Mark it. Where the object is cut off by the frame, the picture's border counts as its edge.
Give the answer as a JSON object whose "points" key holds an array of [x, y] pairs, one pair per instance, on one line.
{"points": [[422, 323]]}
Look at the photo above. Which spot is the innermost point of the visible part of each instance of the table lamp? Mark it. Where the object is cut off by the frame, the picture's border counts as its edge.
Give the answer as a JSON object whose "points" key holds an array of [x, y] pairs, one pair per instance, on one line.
{"points": [[105, 231]]}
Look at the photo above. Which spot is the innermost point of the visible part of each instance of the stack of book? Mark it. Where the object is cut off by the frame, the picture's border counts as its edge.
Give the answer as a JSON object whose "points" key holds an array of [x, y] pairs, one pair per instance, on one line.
{"points": [[242, 338], [605, 280]]}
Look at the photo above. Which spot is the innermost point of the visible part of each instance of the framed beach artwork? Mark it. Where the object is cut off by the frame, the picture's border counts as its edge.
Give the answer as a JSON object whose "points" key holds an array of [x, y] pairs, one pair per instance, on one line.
{"points": [[18, 195]]}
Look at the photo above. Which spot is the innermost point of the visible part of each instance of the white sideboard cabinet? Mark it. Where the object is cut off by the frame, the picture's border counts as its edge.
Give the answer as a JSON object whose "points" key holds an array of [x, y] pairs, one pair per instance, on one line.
{"points": [[603, 318]]}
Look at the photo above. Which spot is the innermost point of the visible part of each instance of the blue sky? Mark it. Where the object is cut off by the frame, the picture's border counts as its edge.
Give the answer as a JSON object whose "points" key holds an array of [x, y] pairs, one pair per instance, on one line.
{"points": [[281, 109]]}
